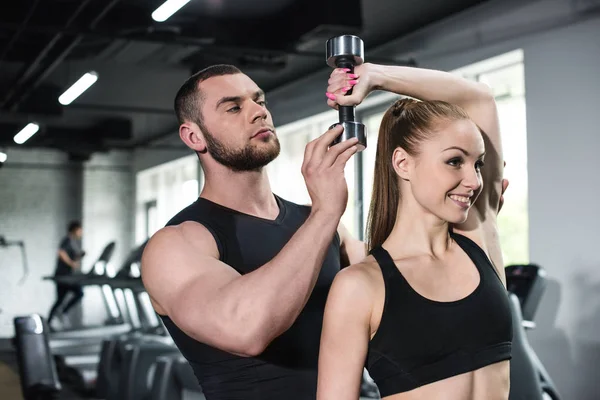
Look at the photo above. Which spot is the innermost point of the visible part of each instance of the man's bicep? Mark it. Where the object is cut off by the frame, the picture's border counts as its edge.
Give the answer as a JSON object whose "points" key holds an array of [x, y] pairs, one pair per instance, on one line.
{"points": [[172, 261], [184, 281], [63, 255]]}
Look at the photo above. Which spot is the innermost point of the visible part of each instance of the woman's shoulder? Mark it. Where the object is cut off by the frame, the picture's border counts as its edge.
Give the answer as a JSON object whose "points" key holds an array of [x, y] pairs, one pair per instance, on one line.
{"points": [[353, 291], [365, 275]]}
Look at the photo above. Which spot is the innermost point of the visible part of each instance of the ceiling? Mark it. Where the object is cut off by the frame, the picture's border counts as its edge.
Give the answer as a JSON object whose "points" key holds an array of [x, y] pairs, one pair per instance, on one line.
{"points": [[46, 45]]}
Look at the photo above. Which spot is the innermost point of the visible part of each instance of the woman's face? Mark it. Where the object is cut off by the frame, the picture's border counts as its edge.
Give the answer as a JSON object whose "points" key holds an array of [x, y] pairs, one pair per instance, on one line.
{"points": [[445, 175]]}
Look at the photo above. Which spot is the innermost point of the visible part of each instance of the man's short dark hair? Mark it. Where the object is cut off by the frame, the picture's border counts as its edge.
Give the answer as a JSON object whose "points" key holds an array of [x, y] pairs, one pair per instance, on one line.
{"points": [[73, 226], [188, 99]]}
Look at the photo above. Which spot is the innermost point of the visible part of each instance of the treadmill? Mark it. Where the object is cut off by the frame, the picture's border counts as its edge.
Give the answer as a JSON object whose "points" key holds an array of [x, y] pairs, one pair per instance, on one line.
{"points": [[79, 366], [77, 362], [95, 277], [127, 360]]}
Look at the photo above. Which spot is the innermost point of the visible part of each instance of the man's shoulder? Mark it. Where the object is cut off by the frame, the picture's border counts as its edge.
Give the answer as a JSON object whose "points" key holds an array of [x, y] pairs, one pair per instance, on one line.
{"points": [[65, 242], [198, 211]]}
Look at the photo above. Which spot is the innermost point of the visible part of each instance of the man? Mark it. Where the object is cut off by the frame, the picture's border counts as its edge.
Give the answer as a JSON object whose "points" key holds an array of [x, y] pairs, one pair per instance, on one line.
{"points": [[241, 276], [68, 262]]}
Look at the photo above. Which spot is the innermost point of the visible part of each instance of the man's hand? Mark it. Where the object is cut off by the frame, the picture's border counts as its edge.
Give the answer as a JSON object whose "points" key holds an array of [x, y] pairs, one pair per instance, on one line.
{"points": [[323, 171]]}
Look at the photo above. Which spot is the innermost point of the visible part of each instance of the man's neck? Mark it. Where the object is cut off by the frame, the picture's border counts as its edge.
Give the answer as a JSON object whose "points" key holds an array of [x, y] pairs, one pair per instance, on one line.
{"points": [[246, 192]]}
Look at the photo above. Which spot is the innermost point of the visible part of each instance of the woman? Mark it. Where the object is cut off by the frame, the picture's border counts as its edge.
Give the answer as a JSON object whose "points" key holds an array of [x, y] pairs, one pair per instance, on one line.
{"points": [[427, 311]]}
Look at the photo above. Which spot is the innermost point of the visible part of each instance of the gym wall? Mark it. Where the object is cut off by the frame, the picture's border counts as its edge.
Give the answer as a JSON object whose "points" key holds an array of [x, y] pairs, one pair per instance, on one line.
{"points": [[561, 75], [39, 194], [41, 191]]}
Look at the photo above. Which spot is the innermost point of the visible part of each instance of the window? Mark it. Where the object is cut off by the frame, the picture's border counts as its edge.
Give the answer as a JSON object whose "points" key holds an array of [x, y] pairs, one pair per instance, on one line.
{"points": [[162, 191]]}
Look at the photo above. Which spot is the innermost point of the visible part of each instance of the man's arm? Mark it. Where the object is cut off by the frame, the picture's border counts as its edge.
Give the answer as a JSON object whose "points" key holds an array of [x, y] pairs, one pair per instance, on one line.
{"points": [[67, 260], [214, 304], [64, 256], [242, 314]]}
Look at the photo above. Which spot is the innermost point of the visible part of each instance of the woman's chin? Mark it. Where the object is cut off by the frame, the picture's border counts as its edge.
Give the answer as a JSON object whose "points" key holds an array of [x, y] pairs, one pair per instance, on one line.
{"points": [[458, 219]]}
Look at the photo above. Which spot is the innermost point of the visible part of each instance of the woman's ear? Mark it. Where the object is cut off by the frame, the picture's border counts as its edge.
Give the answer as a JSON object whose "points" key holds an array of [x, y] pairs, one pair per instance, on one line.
{"points": [[191, 135], [401, 162]]}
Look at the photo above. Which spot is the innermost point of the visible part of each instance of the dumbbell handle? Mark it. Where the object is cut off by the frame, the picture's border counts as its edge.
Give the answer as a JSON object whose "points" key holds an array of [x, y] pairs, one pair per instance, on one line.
{"points": [[346, 113]]}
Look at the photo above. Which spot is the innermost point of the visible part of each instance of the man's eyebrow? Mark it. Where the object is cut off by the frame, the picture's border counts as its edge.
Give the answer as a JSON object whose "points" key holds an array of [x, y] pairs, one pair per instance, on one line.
{"points": [[237, 99], [227, 99]]}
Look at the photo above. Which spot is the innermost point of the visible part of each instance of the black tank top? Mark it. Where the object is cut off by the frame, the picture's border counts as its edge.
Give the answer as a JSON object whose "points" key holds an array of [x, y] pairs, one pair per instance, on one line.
{"points": [[287, 369], [420, 341]]}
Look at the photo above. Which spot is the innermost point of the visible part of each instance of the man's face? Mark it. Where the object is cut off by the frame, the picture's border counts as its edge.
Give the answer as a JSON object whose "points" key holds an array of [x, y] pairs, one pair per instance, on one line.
{"points": [[237, 127]]}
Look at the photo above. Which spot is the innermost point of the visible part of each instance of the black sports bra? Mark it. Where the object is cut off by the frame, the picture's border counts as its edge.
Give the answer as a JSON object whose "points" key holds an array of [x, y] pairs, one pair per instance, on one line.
{"points": [[420, 341]]}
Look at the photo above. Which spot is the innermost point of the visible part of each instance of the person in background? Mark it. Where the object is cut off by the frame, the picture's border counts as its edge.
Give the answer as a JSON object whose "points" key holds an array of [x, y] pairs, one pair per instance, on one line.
{"points": [[68, 262]]}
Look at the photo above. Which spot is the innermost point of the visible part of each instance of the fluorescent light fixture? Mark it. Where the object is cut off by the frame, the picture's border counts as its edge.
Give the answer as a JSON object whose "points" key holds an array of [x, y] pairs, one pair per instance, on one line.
{"points": [[26, 133], [3, 157], [78, 88], [167, 9]]}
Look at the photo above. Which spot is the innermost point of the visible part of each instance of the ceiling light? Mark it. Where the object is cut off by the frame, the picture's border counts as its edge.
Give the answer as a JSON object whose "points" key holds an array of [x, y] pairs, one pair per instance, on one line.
{"points": [[78, 88], [3, 157], [167, 9], [26, 133]]}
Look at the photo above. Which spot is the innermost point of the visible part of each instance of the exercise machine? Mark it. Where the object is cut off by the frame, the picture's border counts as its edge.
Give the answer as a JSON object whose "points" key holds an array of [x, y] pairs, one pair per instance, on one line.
{"points": [[114, 323], [37, 371], [174, 379], [526, 284], [77, 352], [21, 245]]}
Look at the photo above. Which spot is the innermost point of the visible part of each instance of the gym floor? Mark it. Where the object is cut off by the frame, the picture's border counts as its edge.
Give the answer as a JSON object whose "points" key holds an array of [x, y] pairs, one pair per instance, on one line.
{"points": [[10, 388]]}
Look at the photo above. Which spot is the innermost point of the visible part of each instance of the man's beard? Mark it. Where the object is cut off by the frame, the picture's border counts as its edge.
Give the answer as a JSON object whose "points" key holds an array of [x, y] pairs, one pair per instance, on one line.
{"points": [[247, 158]]}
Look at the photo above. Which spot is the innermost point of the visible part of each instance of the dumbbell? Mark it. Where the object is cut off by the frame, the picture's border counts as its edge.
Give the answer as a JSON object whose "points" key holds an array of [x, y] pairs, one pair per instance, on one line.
{"points": [[347, 51]]}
